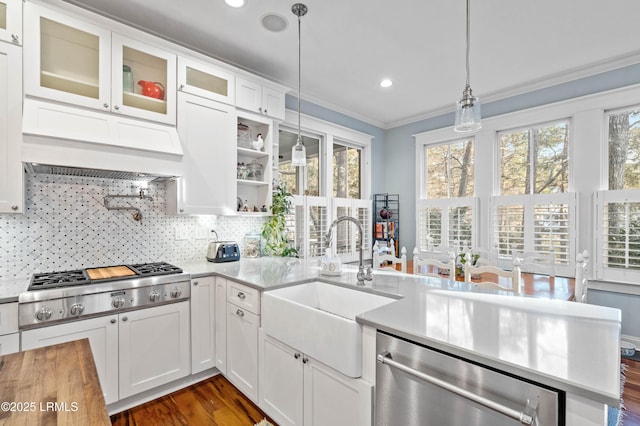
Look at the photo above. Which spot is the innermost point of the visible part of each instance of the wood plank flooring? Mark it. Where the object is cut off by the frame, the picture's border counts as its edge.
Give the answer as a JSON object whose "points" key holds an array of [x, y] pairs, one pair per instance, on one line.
{"points": [[217, 402], [631, 394], [214, 402]]}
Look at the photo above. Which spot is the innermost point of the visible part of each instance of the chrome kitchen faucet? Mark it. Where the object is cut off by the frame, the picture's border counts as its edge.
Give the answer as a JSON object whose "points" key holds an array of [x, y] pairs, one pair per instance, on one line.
{"points": [[362, 273]]}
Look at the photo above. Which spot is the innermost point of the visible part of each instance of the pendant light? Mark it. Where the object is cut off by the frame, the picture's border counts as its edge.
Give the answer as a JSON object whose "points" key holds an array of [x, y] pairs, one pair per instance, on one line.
{"points": [[298, 152], [468, 114]]}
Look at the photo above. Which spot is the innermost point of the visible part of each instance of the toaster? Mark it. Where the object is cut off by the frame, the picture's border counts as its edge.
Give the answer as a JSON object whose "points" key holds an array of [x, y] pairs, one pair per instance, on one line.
{"points": [[223, 251]]}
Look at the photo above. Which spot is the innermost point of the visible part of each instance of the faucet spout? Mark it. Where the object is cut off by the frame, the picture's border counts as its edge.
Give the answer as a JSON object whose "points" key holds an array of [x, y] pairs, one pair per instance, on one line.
{"points": [[361, 276]]}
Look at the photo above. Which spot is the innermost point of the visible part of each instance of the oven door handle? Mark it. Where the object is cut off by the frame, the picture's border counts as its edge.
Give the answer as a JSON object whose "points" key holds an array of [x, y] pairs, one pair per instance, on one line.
{"points": [[521, 416]]}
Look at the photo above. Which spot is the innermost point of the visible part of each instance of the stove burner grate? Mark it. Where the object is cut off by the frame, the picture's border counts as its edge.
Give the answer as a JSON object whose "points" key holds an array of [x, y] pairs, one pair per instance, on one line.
{"points": [[157, 268]]}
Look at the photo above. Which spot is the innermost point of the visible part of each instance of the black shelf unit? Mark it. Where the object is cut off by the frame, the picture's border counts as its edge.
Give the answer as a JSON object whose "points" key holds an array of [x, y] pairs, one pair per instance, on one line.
{"points": [[386, 220]]}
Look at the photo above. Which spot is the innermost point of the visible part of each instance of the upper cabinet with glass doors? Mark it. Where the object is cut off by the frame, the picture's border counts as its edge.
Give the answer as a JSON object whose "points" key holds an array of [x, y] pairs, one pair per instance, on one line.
{"points": [[11, 21], [206, 80], [70, 60]]}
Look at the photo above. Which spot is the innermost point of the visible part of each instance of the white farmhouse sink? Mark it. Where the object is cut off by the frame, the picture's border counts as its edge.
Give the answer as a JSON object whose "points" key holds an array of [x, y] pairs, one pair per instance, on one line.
{"points": [[318, 319]]}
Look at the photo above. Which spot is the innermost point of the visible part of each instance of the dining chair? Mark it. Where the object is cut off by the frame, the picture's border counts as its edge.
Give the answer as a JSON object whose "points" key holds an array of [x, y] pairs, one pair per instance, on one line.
{"points": [[389, 261], [431, 267], [582, 268], [538, 263], [514, 275]]}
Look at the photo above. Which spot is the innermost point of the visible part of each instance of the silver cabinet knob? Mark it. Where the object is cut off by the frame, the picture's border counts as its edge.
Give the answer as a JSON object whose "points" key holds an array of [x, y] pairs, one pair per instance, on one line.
{"points": [[154, 296], [195, 283], [44, 314], [305, 360], [265, 111], [181, 86], [241, 295], [14, 208], [77, 309], [116, 107], [113, 321], [260, 109], [240, 313], [117, 302], [125, 318], [296, 355], [105, 106]]}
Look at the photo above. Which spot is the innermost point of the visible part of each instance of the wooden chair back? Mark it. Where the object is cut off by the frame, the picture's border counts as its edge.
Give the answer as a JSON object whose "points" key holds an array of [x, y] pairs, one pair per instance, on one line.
{"points": [[389, 261]]}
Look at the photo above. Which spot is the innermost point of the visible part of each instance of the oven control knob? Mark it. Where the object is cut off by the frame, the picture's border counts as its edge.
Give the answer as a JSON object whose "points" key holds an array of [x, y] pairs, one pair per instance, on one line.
{"points": [[77, 309], [117, 302], [154, 296], [176, 292], [44, 314]]}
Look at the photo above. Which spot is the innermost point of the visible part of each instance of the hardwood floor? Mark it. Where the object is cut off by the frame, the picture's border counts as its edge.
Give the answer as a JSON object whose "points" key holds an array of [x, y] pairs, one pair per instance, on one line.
{"points": [[214, 402], [631, 394]]}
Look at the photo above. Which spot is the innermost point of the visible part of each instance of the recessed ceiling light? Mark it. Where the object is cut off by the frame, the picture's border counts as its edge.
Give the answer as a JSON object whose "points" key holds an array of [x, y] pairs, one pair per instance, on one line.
{"points": [[273, 22], [386, 82], [235, 3]]}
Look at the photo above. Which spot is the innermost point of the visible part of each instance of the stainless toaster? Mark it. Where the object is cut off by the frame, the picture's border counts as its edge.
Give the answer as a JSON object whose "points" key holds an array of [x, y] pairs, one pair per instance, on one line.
{"points": [[223, 251]]}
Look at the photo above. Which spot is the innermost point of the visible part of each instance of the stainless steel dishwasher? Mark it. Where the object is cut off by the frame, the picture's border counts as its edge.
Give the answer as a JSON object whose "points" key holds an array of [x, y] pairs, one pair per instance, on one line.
{"points": [[419, 386]]}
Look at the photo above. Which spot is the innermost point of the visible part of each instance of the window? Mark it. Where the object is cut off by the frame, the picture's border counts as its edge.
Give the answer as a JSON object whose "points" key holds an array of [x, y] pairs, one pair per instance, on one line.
{"points": [[446, 213], [347, 166], [299, 180], [619, 208], [534, 160], [450, 170]]}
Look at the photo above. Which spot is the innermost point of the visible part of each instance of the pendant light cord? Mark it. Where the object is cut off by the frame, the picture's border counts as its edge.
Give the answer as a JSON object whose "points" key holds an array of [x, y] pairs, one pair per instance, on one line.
{"points": [[468, 40], [300, 76]]}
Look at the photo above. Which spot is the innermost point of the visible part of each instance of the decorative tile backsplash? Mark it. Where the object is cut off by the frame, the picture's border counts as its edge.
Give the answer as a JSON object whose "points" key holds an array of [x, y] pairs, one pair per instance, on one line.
{"points": [[67, 226]]}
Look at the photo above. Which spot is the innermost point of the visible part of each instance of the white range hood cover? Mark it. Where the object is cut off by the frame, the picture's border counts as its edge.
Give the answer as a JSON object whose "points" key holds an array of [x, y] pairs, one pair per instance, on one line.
{"points": [[62, 135]]}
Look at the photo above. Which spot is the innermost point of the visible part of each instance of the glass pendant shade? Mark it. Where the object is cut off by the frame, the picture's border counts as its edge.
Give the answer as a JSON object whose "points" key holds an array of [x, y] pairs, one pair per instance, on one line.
{"points": [[298, 155], [468, 115]]}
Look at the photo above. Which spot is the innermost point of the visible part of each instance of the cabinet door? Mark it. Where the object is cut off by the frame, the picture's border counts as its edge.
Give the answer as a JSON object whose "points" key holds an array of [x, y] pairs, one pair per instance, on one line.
{"points": [[11, 173], [206, 80], [273, 103], [242, 350], [154, 347], [248, 95], [203, 346], [206, 130], [281, 384], [331, 398], [221, 325], [11, 21], [9, 343], [102, 333], [66, 59], [153, 80]]}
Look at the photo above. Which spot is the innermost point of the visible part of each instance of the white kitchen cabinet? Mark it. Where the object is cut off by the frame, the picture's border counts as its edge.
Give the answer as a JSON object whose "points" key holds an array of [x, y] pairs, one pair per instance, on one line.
{"points": [[254, 96], [206, 80], [73, 61], [9, 336], [11, 21], [11, 169], [254, 191], [298, 390], [242, 343], [102, 333], [153, 347], [203, 318], [221, 325], [206, 130]]}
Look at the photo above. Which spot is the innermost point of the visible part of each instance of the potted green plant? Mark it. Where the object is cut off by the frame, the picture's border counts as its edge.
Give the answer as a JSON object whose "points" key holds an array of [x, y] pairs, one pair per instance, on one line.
{"points": [[274, 230]]}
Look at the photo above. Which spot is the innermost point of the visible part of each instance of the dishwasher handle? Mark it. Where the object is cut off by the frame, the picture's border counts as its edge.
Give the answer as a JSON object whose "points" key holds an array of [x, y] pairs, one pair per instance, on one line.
{"points": [[521, 416]]}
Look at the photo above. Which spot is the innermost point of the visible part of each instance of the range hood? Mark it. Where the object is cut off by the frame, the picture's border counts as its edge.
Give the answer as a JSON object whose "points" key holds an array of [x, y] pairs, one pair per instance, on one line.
{"points": [[94, 173], [64, 139]]}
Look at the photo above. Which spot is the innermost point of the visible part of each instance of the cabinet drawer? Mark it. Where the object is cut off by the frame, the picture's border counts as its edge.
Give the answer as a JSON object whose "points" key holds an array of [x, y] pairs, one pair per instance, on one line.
{"points": [[244, 297], [8, 318]]}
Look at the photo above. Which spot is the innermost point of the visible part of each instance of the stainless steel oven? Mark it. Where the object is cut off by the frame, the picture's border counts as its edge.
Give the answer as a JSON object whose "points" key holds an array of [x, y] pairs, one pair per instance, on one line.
{"points": [[419, 386]]}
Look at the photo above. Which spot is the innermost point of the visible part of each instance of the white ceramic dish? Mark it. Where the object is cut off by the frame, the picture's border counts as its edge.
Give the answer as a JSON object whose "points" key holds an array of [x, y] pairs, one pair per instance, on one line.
{"points": [[627, 348]]}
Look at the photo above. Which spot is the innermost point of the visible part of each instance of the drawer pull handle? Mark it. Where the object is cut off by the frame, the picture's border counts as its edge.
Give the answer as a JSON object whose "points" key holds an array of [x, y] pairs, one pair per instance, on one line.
{"points": [[241, 295], [240, 313]]}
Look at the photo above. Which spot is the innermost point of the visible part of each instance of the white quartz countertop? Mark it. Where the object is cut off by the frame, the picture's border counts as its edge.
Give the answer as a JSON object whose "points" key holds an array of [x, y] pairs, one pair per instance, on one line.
{"points": [[566, 345]]}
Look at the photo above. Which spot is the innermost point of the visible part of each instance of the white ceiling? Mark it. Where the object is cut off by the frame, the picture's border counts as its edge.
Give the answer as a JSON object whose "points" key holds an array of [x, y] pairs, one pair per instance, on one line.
{"points": [[348, 46]]}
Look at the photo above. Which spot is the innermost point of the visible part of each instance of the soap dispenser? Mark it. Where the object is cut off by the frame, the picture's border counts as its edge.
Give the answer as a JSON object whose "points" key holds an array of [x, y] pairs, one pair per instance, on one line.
{"points": [[330, 265]]}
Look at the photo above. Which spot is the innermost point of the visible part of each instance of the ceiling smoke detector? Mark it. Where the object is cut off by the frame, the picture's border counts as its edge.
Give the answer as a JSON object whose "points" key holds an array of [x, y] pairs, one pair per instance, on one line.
{"points": [[274, 22]]}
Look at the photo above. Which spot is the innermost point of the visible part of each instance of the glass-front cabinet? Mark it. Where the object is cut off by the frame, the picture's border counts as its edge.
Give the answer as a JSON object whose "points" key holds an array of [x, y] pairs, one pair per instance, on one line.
{"points": [[206, 80], [72, 61], [11, 21]]}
